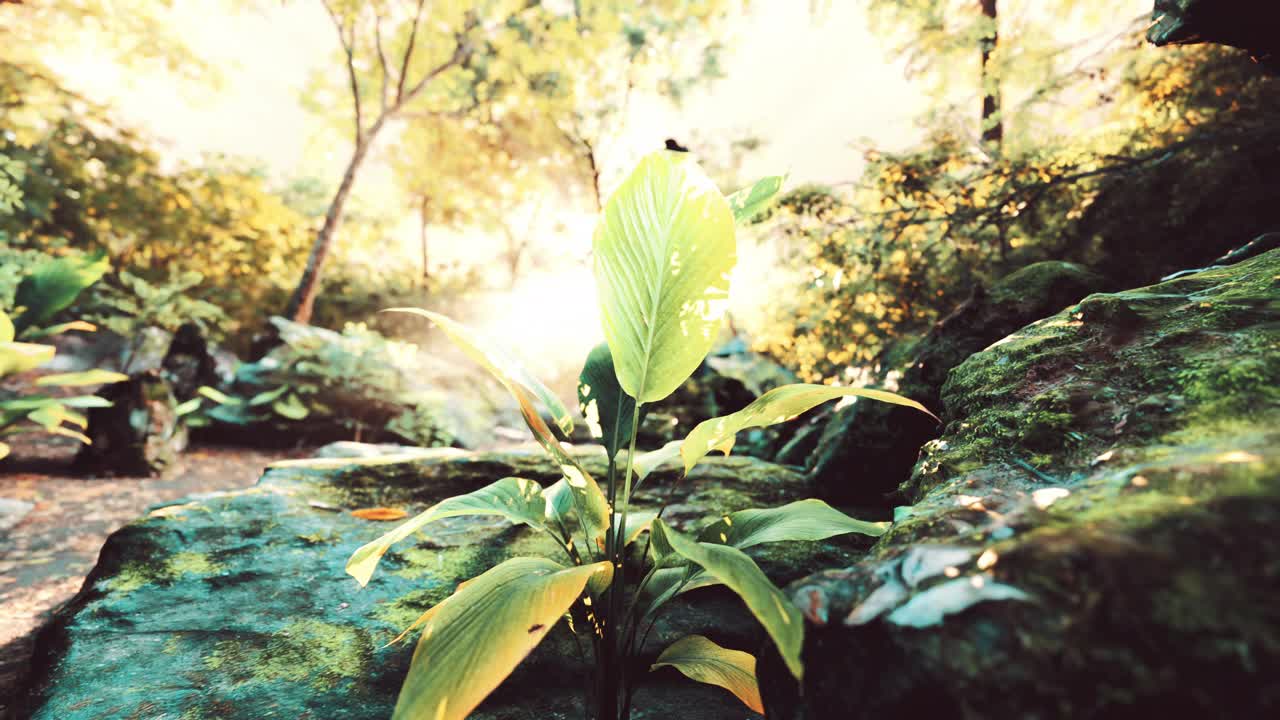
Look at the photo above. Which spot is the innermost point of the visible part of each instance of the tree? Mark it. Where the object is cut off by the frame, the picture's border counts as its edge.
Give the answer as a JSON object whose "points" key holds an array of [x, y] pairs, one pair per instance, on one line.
{"points": [[556, 85], [397, 58]]}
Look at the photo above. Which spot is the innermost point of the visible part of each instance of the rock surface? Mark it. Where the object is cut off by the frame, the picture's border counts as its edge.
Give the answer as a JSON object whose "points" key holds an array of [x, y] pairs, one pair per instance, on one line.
{"points": [[867, 449], [235, 605], [1093, 536], [141, 433]]}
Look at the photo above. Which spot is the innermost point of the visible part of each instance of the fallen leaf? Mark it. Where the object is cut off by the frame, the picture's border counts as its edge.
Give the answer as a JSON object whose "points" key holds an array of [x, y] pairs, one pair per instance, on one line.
{"points": [[380, 513]]}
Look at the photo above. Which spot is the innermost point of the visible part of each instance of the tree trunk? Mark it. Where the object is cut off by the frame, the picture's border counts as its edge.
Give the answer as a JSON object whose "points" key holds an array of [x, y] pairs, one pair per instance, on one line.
{"points": [[992, 123], [422, 239], [303, 299]]}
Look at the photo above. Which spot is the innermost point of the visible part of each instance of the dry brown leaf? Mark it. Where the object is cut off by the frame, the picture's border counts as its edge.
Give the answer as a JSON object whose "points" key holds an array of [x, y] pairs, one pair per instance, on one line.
{"points": [[380, 513]]}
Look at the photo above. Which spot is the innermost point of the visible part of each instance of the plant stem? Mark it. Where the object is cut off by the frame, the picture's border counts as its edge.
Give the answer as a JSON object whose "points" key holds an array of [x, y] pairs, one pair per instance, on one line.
{"points": [[613, 663]]}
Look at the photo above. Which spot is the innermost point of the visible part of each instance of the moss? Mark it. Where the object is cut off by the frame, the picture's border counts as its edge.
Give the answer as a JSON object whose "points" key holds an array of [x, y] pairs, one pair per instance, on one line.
{"points": [[135, 575], [1039, 279], [318, 653], [1120, 370]]}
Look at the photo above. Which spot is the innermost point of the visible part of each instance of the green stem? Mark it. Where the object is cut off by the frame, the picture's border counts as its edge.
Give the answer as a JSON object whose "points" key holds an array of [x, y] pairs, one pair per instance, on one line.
{"points": [[615, 673]]}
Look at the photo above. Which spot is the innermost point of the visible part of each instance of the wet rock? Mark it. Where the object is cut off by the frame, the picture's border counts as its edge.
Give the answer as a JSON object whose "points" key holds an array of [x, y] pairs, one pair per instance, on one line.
{"points": [[1093, 535], [1247, 24], [235, 605], [12, 512], [189, 363], [140, 434], [867, 449]]}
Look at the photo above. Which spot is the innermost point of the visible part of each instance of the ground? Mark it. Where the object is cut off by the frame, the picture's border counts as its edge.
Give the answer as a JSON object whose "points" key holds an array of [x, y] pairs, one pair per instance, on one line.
{"points": [[45, 557]]}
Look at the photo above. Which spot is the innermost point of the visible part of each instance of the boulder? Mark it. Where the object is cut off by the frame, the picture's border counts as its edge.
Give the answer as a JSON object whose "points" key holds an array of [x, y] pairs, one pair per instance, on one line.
{"points": [[317, 385], [867, 449], [1247, 24], [141, 433], [235, 605], [1092, 536], [189, 363]]}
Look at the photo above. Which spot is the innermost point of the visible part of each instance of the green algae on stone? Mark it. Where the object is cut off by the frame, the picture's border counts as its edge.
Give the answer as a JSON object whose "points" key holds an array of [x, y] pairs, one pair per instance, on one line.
{"points": [[133, 576], [308, 651], [236, 606]]}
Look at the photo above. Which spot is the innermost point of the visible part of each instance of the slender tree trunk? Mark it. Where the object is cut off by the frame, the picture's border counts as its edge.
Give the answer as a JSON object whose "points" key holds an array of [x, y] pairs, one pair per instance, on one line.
{"points": [[422, 239], [302, 302], [992, 123]]}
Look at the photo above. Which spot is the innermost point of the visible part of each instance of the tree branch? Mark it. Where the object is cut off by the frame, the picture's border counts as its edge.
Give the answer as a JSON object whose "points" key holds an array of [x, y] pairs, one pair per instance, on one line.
{"points": [[348, 48], [382, 59], [408, 52]]}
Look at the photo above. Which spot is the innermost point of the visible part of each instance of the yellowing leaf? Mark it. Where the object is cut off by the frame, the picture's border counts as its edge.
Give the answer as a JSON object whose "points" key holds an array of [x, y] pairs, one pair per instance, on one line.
{"points": [[16, 357], [473, 640], [777, 405], [702, 660], [517, 499], [380, 513], [80, 379]]}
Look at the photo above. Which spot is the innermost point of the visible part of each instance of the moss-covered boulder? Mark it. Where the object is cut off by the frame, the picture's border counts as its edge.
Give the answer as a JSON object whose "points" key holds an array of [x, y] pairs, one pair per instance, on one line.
{"points": [[1093, 536], [867, 449], [235, 606], [139, 434]]}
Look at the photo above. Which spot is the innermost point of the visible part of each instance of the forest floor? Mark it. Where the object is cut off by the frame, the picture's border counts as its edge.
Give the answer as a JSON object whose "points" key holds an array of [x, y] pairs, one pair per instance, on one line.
{"points": [[62, 520]]}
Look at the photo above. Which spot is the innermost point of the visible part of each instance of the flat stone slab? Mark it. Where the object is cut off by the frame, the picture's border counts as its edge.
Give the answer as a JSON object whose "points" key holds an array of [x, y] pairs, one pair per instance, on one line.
{"points": [[235, 605]]}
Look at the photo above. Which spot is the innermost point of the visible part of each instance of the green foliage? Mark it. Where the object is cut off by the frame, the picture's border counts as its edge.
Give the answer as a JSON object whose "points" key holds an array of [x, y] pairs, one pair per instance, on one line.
{"points": [[348, 384], [663, 253], [129, 304], [11, 172], [664, 247], [43, 291], [1186, 154], [706, 662], [606, 407], [52, 286]]}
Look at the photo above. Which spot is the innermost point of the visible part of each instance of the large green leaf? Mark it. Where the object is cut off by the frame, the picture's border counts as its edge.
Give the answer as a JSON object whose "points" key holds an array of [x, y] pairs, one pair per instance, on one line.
{"points": [[517, 499], [16, 357], [474, 639], [739, 573], [81, 379], [749, 202], [664, 249], [801, 520], [777, 405], [52, 286], [702, 660], [606, 407], [498, 362]]}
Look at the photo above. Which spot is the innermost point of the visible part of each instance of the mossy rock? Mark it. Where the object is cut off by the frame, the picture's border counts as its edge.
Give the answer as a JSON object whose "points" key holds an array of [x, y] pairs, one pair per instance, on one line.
{"points": [[867, 449], [1094, 535], [236, 606]]}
